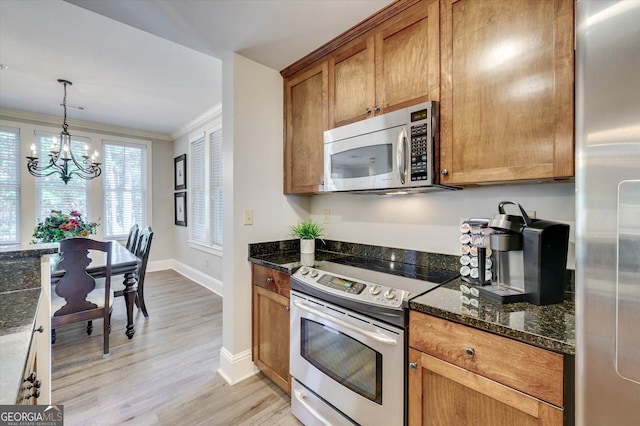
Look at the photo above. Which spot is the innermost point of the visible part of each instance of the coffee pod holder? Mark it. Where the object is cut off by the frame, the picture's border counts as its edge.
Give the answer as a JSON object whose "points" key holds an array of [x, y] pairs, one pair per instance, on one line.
{"points": [[475, 252]]}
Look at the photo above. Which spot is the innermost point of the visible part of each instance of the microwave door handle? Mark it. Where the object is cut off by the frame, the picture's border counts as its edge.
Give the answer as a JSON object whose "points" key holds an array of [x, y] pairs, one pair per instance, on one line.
{"points": [[379, 337], [401, 158]]}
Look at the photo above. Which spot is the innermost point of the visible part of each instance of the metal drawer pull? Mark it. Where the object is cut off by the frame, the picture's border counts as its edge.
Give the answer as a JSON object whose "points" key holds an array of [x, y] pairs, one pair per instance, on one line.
{"points": [[39, 329], [413, 365], [286, 308], [301, 398], [269, 280], [470, 351], [371, 334]]}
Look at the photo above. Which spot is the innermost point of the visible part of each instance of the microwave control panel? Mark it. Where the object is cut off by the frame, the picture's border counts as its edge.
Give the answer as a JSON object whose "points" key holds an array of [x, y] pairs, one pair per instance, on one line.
{"points": [[420, 146]]}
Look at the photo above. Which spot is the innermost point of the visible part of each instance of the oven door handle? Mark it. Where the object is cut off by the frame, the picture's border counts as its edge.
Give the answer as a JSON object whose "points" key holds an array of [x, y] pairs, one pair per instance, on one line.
{"points": [[379, 337], [301, 398]]}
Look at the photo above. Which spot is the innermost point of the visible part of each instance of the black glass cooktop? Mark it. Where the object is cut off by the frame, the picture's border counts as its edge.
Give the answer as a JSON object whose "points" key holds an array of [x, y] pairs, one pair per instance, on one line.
{"points": [[424, 273]]}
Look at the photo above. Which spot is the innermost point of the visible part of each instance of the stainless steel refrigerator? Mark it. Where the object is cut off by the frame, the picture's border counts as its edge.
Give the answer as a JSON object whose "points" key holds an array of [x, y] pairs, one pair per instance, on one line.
{"points": [[608, 212]]}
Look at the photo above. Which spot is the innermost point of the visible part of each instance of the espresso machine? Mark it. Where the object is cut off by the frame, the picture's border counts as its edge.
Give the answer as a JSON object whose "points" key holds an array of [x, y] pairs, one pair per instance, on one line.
{"points": [[529, 258]]}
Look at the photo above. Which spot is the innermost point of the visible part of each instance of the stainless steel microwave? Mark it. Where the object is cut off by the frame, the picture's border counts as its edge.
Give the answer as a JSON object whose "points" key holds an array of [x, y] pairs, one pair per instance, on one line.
{"points": [[392, 151]]}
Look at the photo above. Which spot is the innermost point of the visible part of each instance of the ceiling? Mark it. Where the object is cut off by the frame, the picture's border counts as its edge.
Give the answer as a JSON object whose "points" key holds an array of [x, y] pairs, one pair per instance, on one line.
{"points": [[152, 65]]}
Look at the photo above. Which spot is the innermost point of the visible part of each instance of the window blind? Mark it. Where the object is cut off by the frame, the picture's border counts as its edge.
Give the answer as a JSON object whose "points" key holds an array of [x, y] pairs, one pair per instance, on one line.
{"points": [[215, 187], [124, 187], [9, 185], [51, 192], [198, 214]]}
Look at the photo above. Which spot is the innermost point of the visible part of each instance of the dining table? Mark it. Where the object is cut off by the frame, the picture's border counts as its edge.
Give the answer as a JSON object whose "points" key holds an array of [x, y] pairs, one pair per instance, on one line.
{"points": [[123, 262]]}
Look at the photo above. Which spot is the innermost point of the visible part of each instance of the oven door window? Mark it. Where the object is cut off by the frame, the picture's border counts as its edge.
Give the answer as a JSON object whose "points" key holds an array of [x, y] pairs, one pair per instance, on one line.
{"points": [[343, 358], [370, 160]]}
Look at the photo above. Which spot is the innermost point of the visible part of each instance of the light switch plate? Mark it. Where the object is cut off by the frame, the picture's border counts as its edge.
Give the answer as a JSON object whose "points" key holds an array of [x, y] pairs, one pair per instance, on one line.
{"points": [[248, 216]]}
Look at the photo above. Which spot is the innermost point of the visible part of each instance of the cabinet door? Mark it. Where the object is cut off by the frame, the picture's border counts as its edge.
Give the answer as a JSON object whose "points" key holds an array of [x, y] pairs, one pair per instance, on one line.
{"points": [[351, 83], [443, 394], [407, 58], [271, 336], [306, 117], [507, 90]]}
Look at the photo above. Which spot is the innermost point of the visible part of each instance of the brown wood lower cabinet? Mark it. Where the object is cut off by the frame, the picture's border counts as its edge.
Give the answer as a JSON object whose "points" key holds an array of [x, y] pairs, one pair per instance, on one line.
{"points": [[270, 310], [460, 375]]}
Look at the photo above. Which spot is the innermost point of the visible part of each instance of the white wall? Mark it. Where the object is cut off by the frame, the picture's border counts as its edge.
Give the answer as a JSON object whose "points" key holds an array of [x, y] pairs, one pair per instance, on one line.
{"points": [[430, 221], [253, 175]]}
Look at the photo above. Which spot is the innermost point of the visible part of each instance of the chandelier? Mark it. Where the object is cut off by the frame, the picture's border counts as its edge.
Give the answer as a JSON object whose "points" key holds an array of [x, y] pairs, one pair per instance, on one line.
{"points": [[62, 160]]}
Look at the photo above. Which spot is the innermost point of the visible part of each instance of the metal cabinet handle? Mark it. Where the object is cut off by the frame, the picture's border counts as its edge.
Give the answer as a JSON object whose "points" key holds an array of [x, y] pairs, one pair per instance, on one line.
{"points": [[368, 110], [470, 351], [39, 329], [376, 108], [413, 365], [444, 172], [287, 308], [269, 280], [31, 377]]}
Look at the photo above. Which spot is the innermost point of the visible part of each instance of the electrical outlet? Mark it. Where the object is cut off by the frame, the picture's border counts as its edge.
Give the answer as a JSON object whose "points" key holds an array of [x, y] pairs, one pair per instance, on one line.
{"points": [[248, 216], [326, 214]]}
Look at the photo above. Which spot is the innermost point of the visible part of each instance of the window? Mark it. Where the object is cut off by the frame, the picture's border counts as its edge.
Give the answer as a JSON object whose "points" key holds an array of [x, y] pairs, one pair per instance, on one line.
{"points": [[206, 188], [125, 187], [51, 191], [9, 185], [215, 190]]}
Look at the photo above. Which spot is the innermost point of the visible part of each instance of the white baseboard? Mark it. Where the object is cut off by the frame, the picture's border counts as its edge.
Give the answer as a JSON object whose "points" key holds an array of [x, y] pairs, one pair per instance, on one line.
{"points": [[201, 278], [160, 265], [236, 368]]}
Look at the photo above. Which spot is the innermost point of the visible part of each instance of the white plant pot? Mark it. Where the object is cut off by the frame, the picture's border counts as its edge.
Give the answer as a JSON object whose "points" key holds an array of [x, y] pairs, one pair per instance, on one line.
{"points": [[307, 251]]}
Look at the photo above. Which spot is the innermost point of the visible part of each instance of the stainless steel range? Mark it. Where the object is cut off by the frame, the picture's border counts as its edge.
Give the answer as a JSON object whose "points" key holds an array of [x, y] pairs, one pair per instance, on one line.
{"points": [[348, 339]]}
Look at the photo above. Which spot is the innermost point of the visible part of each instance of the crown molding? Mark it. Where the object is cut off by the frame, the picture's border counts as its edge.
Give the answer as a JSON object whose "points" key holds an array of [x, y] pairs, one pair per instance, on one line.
{"points": [[203, 119], [13, 114]]}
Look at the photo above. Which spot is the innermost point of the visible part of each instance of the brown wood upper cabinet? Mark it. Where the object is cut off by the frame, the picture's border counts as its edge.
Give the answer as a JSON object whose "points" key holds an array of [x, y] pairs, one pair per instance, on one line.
{"points": [[507, 106], [390, 67], [305, 121]]}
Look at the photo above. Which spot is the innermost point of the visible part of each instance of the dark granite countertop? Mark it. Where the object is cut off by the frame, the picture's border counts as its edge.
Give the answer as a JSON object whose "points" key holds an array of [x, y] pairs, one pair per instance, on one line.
{"points": [[288, 261], [20, 289], [550, 327]]}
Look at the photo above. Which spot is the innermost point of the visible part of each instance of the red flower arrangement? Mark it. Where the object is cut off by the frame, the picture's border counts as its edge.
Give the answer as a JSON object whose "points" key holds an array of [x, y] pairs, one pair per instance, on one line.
{"points": [[59, 226]]}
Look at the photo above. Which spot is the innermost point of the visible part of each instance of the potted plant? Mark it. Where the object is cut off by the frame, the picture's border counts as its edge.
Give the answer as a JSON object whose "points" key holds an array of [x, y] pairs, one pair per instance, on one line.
{"points": [[307, 231]]}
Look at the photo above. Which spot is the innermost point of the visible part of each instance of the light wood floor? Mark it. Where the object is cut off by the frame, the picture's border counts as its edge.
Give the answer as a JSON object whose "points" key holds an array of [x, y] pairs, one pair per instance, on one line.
{"points": [[166, 375]]}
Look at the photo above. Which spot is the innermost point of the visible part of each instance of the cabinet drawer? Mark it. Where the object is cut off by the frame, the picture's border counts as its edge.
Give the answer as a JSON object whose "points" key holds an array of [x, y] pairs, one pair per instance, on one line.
{"points": [[532, 370], [271, 279]]}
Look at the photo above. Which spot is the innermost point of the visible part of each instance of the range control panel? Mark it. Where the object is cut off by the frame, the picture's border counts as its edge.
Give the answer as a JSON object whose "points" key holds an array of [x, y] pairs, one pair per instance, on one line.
{"points": [[349, 288]]}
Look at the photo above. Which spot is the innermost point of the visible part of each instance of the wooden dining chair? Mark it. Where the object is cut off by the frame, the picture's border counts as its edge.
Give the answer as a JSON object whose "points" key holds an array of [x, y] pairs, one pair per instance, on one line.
{"points": [[132, 240], [143, 247], [76, 297]]}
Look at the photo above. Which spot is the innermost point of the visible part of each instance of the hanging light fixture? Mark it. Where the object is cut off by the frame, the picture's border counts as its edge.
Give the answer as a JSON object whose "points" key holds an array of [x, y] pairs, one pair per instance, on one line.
{"points": [[62, 159]]}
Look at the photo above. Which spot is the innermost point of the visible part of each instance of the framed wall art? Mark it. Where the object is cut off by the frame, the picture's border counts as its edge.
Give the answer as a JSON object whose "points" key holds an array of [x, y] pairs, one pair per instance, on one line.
{"points": [[180, 203], [180, 172]]}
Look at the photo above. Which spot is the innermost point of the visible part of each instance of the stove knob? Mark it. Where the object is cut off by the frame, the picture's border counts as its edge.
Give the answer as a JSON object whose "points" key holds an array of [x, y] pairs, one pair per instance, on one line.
{"points": [[375, 290], [314, 273], [390, 294], [304, 270]]}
